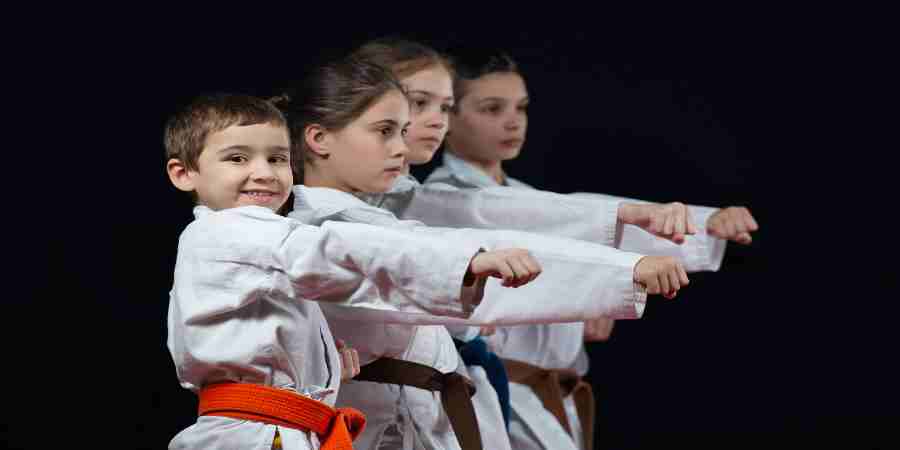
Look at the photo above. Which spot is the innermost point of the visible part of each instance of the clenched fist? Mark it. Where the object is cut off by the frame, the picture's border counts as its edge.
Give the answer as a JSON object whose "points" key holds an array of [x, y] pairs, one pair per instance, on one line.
{"points": [[663, 275], [515, 266]]}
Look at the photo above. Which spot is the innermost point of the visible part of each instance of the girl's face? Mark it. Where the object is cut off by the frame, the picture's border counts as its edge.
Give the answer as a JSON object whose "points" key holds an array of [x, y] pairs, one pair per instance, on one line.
{"points": [[369, 153], [431, 97], [491, 118]]}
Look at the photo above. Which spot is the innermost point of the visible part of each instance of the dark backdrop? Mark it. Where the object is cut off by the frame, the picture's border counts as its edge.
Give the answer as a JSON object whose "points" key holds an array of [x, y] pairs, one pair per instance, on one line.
{"points": [[792, 340]]}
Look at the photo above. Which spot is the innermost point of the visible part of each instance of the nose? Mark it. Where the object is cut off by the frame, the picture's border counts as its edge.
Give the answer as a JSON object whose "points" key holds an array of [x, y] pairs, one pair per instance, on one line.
{"points": [[262, 171], [514, 123], [398, 149], [437, 120]]}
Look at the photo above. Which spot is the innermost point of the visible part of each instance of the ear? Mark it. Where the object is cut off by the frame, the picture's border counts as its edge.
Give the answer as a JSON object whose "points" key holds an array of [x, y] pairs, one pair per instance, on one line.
{"points": [[318, 140], [180, 175]]}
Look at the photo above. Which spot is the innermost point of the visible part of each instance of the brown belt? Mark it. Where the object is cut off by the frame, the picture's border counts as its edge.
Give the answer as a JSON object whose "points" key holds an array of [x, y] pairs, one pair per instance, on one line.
{"points": [[455, 391], [551, 386]]}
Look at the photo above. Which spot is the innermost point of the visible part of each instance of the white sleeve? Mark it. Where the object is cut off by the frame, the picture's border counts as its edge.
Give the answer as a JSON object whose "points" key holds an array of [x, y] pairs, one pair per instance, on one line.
{"points": [[513, 209], [699, 252], [579, 280], [239, 256]]}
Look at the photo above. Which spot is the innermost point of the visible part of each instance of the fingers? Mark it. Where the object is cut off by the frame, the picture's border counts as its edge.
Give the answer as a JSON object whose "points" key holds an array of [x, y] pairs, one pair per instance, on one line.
{"points": [[356, 367], [517, 267], [657, 221], [505, 272], [533, 265], [730, 226], [751, 222], [691, 227], [714, 226], [664, 287], [674, 280], [652, 285], [682, 276], [734, 223], [349, 362], [680, 219], [487, 330], [669, 226], [520, 271]]}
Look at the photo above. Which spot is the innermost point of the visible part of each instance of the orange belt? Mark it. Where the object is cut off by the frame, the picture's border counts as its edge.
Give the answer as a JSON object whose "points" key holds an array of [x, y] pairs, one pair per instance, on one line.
{"points": [[336, 427]]}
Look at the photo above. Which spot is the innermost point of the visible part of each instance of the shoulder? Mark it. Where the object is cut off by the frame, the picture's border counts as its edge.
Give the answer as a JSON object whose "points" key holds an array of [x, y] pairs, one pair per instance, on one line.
{"points": [[247, 224]]}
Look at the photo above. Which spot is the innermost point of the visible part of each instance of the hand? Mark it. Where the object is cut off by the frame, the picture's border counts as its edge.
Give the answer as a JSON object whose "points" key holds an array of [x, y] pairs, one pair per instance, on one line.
{"points": [[734, 223], [598, 329], [661, 275], [515, 266], [487, 330], [349, 360], [669, 221]]}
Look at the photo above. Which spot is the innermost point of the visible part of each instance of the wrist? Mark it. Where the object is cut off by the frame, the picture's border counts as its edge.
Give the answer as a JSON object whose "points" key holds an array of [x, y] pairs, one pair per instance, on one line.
{"points": [[626, 212]]}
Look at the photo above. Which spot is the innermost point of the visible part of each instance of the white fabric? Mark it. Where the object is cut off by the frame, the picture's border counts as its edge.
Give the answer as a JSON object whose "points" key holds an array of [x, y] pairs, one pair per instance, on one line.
{"points": [[595, 280], [394, 413], [244, 305], [501, 208], [699, 252]]}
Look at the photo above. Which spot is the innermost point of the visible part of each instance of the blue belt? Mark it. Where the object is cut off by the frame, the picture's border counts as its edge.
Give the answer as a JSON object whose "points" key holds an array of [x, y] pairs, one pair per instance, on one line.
{"points": [[475, 353]]}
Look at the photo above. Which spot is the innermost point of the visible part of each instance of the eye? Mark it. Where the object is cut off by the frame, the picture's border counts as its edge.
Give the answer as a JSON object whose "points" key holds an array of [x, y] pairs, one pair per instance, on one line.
{"points": [[446, 108], [237, 158], [387, 132], [493, 109], [279, 159], [523, 107], [404, 132]]}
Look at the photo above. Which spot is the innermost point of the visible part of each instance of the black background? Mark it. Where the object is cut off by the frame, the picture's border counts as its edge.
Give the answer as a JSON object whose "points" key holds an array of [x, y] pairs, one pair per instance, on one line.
{"points": [[791, 342]]}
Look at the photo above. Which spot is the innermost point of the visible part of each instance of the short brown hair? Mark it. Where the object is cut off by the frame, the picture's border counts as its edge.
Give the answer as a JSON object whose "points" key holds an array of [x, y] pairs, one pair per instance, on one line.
{"points": [[187, 129]]}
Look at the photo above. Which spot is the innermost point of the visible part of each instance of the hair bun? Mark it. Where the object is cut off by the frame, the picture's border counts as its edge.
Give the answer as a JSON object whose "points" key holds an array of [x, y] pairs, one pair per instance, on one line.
{"points": [[280, 101]]}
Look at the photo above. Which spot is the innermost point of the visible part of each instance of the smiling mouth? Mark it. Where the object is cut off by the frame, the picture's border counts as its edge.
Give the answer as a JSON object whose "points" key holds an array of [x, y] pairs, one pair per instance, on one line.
{"points": [[261, 196]]}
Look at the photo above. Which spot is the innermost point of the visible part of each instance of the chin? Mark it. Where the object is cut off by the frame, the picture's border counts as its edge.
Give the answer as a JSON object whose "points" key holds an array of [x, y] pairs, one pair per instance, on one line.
{"points": [[507, 154], [420, 156]]}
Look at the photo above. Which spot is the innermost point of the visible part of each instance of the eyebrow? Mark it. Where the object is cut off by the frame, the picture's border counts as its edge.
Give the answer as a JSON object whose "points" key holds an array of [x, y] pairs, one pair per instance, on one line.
{"points": [[390, 122], [432, 94], [232, 147], [273, 149], [501, 99]]}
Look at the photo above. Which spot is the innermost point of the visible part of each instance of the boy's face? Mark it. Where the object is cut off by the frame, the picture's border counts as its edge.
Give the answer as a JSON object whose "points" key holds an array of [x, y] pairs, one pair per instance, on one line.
{"points": [[369, 153], [243, 165], [431, 99], [491, 118]]}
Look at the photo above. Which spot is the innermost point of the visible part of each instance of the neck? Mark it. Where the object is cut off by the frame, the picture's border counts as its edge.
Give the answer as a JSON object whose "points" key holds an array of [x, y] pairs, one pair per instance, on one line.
{"points": [[493, 169], [315, 178]]}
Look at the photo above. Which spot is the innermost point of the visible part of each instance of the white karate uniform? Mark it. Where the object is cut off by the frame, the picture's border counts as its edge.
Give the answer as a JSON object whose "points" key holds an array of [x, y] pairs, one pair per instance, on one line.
{"points": [[244, 305], [411, 418], [560, 346]]}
